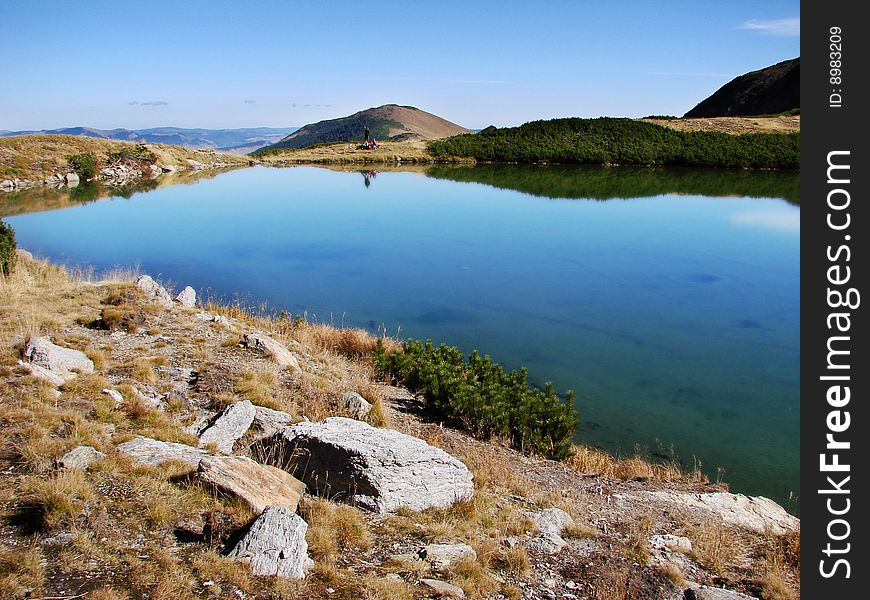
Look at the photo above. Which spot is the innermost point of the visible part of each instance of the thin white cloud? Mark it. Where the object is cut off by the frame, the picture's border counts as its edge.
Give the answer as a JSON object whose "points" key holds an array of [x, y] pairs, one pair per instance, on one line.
{"points": [[149, 103], [249, 101], [783, 27]]}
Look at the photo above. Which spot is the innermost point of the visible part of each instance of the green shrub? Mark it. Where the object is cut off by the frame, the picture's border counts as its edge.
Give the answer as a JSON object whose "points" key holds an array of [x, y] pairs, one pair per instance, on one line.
{"points": [[83, 165], [485, 399], [139, 153], [7, 248], [609, 141]]}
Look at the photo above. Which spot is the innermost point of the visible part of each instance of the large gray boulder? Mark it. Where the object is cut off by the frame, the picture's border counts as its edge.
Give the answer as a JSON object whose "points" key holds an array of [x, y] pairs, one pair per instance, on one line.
{"points": [[230, 425], [271, 348], [257, 485], [275, 544], [145, 451], [154, 292], [377, 469], [43, 353]]}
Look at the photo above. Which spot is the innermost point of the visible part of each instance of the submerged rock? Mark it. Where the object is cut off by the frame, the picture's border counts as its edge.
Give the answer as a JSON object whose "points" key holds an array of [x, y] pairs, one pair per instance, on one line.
{"points": [[378, 469]]}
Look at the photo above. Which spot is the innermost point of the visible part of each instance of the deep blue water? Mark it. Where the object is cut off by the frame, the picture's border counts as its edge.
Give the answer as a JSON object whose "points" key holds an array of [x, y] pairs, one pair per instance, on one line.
{"points": [[675, 318]]}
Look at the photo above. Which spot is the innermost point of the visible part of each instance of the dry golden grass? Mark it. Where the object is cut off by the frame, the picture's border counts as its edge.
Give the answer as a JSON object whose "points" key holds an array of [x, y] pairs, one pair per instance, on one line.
{"points": [[637, 546], [333, 528], [597, 462], [716, 546], [22, 570], [56, 498]]}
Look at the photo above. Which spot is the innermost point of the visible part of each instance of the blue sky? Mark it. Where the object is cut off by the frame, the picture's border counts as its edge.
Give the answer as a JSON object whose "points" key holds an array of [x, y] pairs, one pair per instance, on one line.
{"points": [[272, 63]]}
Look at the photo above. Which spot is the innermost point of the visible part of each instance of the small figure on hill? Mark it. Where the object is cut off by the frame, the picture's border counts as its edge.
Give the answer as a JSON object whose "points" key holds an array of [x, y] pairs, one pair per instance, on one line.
{"points": [[366, 134]]}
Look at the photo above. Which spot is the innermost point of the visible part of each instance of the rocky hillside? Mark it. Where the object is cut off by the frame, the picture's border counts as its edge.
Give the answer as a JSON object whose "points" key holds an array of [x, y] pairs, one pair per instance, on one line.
{"points": [[28, 161], [153, 446], [226, 140], [775, 89], [388, 122]]}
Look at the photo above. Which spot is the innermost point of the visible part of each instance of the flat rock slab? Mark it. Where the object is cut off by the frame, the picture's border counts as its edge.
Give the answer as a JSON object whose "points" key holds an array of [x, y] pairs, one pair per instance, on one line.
{"points": [[55, 379], [377, 469], [271, 348], [441, 556], [443, 589], [275, 544], [257, 485], [43, 353], [705, 592], [229, 426], [145, 451], [154, 292], [79, 457], [752, 512]]}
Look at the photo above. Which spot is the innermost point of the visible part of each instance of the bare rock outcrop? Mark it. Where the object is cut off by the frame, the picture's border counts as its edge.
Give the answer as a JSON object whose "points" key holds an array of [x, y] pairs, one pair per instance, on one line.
{"points": [[80, 457], [377, 469], [752, 512], [257, 485], [275, 544], [357, 406]]}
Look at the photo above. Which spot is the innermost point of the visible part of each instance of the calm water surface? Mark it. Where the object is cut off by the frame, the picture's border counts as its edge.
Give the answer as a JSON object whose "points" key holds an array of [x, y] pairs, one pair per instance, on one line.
{"points": [[674, 314]]}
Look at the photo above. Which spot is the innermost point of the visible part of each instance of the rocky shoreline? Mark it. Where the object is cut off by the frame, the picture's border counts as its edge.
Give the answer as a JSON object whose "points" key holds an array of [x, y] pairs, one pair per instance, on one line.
{"points": [[316, 476]]}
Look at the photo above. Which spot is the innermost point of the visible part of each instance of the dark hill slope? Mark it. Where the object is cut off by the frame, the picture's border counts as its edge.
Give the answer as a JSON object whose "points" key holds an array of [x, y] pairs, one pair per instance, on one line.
{"points": [[391, 121], [767, 91]]}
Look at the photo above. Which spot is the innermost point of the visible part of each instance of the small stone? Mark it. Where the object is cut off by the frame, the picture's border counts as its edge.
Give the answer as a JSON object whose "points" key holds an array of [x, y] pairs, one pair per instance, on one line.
{"points": [[672, 543], [548, 543], [357, 406], [114, 395], [80, 457], [154, 291], [54, 379], [551, 520], [271, 348], [187, 297]]}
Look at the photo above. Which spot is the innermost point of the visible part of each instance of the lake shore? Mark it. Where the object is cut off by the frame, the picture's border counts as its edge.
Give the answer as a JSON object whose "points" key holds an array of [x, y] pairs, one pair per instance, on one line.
{"points": [[172, 364]]}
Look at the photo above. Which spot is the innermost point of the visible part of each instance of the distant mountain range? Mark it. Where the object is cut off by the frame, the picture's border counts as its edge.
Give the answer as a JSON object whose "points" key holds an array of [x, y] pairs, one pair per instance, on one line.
{"points": [[237, 141], [388, 122], [775, 89]]}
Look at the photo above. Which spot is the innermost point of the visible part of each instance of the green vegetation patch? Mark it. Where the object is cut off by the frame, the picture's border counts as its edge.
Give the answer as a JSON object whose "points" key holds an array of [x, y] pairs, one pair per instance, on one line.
{"points": [[608, 141], [7, 248], [488, 401], [84, 165]]}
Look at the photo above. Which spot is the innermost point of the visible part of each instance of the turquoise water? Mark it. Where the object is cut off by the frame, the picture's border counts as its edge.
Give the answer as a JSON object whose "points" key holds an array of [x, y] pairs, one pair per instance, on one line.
{"points": [[674, 317]]}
